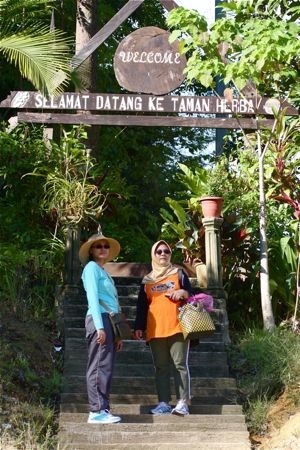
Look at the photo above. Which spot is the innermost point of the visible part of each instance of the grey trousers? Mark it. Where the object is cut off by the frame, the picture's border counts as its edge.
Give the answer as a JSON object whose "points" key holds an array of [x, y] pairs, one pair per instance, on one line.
{"points": [[100, 364], [171, 354]]}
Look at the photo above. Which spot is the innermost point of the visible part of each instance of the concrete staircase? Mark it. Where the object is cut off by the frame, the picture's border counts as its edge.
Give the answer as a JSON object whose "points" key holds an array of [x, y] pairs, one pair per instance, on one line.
{"points": [[216, 421]]}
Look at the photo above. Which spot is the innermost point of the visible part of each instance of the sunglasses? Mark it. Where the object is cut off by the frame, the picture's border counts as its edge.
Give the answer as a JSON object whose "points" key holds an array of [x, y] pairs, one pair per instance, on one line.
{"points": [[165, 251], [101, 246]]}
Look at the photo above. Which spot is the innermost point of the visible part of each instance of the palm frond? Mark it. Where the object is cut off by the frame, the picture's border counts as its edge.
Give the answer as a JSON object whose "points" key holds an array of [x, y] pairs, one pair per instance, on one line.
{"points": [[42, 56]]}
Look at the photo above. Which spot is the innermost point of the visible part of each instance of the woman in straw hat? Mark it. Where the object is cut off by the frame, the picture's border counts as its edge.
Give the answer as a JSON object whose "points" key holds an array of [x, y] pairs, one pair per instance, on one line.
{"points": [[157, 308], [102, 348]]}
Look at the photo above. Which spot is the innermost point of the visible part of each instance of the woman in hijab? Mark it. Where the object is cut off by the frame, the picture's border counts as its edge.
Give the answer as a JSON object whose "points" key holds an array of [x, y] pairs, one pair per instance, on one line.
{"points": [[161, 292], [99, 285]]}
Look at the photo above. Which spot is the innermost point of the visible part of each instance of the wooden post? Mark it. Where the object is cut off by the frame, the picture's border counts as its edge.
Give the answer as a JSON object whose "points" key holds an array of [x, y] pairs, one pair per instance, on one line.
{"points": [[72, 265]]}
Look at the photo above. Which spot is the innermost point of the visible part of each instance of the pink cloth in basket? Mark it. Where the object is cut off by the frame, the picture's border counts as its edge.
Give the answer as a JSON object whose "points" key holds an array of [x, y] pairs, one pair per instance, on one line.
{"points": [[206, 300]]}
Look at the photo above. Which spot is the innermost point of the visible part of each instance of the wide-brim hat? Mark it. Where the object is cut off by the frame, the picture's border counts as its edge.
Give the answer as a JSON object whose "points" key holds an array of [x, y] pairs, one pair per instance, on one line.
{"points": [[84, 252]]}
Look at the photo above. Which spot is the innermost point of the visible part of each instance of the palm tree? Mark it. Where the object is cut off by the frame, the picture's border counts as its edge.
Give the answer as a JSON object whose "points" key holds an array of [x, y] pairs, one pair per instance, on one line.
{"points": [[41, 54]]}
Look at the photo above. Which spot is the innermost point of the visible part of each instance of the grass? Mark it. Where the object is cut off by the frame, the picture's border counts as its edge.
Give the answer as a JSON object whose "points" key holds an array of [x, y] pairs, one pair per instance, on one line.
{"points": [[30, 384], [33, 426], [267, 366]]}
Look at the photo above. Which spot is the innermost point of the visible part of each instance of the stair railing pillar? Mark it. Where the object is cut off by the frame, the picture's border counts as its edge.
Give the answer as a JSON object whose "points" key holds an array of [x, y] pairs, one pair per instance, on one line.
{"points": [[212, 227], [72, 264]]}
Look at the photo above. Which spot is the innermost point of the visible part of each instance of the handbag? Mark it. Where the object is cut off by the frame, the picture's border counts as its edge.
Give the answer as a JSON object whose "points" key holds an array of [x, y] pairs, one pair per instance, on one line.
{"points": [[205, 299], [120, 326], [194, 321]]}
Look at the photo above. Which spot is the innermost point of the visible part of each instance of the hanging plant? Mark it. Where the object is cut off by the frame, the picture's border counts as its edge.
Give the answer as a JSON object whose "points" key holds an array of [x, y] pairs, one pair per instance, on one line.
{"points": [[71, 194]]}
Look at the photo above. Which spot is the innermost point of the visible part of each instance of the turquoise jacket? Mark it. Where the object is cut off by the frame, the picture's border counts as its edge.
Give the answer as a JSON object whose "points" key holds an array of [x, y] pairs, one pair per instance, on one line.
{"points": [[98, 284]]}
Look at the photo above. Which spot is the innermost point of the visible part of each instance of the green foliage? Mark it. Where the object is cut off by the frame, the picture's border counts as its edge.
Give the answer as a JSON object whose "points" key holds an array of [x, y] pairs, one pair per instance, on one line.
{"points": [[283, 254], [283, 177], [266, 364], [184, 226], [37, 273], [206, 181], [249, 43], [185, 231], [21, 151], [27, 252]]}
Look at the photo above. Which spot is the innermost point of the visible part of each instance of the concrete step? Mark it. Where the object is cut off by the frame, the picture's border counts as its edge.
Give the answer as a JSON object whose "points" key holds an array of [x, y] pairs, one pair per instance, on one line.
{"points": [[130, 347], [78, 322], [203, 360], [225, 420], [78, 346], [216, 337], [127, 297], [98, 434], [76, 426], [212, 343], [141, 409], [148, 383], [74, 366], [157, 446], [79, 385], [71, 311], [73, 344], [147, 399]]}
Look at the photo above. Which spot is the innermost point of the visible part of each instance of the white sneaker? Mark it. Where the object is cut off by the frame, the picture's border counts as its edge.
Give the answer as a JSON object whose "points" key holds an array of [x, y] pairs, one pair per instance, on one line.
{"points": [[181, 409], [161, 408], [103, 416]]}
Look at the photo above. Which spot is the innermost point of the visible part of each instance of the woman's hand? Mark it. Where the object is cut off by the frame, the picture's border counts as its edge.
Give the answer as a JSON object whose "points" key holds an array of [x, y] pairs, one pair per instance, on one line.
{"points": [[101, 336], [178, 295], [138, 334], [119, 345]]}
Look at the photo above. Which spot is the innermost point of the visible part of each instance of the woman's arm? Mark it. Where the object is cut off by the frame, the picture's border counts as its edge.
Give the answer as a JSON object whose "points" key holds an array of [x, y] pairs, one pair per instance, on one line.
{"points": [[185, 283], [185, 288], [90, 279]]}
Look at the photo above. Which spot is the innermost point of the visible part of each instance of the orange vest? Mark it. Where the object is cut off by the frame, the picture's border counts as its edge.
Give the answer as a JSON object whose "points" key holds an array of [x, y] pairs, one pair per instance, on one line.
{"points": [[162, 314]]}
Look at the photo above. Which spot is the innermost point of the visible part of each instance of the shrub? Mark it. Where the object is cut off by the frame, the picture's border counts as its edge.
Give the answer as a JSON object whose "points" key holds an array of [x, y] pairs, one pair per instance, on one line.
{"points": [[266, 364]]}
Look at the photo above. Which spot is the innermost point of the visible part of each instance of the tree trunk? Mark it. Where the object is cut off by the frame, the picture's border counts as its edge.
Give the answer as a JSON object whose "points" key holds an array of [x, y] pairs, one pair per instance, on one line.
{"points": [[266, 303], [86, 26]]}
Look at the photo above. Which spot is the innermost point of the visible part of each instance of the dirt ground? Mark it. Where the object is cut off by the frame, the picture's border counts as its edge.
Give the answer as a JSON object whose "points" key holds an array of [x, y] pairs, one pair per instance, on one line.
{"points": [[286, 437], [283, 427]]}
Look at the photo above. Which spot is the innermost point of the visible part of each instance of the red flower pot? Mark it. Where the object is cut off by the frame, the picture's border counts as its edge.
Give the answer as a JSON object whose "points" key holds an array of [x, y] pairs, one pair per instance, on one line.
{"points": [[211, 206]]}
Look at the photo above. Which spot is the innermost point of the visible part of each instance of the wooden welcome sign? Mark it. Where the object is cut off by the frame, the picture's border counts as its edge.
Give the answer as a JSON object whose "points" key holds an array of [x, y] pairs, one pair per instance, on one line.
{"points": [[145, 61], [189, 108], [68, 101]]}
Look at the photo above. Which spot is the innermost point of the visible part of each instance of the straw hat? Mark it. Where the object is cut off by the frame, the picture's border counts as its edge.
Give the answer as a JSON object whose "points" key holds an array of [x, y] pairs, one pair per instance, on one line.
{"points": [[84, 252]]}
